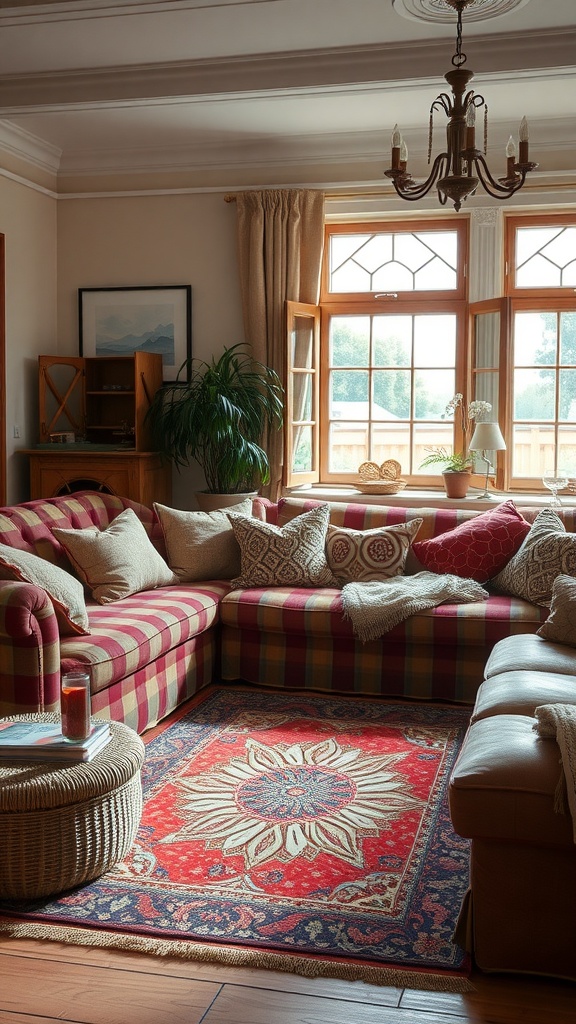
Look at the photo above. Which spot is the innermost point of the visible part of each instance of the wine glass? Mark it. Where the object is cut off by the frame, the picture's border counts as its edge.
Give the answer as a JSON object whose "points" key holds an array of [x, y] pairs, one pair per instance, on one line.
{"points": [[555, 480]]}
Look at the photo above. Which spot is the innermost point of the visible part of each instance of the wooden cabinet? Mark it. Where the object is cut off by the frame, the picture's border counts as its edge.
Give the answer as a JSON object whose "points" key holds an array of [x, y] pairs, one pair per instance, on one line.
{"points": [[103, 403], [100, 400], [140, 476]]}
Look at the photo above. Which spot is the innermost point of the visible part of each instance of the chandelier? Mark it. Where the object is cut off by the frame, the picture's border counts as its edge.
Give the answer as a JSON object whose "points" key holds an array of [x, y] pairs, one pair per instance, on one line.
{"points": [[459, 170]]}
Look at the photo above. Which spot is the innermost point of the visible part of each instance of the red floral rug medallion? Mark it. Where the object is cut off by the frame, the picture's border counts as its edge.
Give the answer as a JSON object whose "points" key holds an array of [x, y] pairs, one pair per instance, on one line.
{"points": [[298, 832]]}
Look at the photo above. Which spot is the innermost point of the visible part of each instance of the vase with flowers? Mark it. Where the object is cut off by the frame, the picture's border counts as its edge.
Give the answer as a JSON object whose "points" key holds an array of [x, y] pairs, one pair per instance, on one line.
{"points": [[458, 465]]}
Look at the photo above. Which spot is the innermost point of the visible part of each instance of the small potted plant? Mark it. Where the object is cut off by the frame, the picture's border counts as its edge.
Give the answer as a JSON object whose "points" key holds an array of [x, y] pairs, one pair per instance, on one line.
{"points": [[218, 418], [457, 465]]}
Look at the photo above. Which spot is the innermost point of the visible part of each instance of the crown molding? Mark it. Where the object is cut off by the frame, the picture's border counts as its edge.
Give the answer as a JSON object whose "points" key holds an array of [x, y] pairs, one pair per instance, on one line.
{"points": [[22, 144], [554, 137], [303, 69], [28, 12]]}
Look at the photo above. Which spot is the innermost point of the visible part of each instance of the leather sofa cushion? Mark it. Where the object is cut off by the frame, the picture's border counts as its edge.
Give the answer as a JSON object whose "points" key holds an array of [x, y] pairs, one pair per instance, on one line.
{"points": [[520, 692], [503, 785], [530, 653]]}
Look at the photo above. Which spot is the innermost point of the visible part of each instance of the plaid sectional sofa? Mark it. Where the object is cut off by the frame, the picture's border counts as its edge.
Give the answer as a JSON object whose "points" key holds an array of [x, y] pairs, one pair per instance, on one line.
{"points": [[150, 652]]}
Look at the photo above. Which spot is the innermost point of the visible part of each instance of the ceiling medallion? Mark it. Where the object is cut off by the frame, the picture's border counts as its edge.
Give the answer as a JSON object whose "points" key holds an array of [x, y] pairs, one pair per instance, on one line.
{"points": [[441, 11]]}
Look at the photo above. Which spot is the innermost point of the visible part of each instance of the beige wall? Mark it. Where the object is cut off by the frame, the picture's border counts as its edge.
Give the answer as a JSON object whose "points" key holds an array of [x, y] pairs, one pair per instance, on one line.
{"points": [[152, 240], [28, 221]]}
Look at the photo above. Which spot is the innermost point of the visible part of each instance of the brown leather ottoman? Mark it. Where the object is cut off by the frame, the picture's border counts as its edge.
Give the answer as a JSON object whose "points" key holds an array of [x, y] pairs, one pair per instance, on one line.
{"points": [[520, 914]]}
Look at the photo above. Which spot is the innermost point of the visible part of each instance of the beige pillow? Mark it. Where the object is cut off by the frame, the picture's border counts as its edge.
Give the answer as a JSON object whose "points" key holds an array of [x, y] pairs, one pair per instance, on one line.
{"points": [[65, 592], [201, 545], [118, 561], [376, 554], [289, 556], [546, 552], [560, 626]]}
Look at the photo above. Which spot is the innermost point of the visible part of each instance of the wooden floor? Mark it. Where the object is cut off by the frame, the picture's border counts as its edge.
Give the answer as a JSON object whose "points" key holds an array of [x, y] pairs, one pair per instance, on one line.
{"points": [[43, 982]]}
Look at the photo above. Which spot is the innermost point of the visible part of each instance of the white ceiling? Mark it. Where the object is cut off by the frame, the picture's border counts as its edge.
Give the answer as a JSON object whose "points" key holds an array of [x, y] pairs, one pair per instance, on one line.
{"points": [[91, 85]]}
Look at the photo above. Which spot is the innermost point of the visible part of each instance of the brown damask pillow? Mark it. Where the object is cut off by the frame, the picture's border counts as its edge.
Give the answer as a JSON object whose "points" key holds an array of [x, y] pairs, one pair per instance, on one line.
{"points": [[547, 551], [560, 626], [283, 556], [377, 554]]}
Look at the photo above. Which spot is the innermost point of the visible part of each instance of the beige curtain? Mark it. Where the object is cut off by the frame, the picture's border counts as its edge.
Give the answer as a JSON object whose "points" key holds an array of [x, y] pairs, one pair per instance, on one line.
{"points": [[280, 240]]}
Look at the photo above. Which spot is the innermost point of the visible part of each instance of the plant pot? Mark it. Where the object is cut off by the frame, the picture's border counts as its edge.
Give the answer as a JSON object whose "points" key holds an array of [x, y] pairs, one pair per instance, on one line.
{"points": [[456, 484], [209, 502]]}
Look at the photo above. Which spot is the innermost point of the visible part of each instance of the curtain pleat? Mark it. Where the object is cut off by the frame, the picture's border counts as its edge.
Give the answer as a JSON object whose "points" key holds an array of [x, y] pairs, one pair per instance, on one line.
{"points": [[280, 241]]}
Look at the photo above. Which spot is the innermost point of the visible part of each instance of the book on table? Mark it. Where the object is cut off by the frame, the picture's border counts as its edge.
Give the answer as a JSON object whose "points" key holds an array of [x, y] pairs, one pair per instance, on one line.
{"points": [[43, 741]]}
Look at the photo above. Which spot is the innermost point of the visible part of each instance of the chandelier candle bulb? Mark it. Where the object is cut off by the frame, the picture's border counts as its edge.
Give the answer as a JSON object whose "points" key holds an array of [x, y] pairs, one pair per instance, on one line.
{"points": [[523, 137], [396, 146], [403, 156], [471, 127], [510, 158], [75, 705]]}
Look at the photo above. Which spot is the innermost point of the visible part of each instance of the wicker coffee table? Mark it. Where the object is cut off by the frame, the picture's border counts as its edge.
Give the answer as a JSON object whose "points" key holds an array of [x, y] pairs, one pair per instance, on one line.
{"points": [[61, 825]]}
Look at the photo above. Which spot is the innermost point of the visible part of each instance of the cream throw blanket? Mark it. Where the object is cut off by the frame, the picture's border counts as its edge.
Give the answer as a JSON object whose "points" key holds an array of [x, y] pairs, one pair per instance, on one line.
{"points": [[376, 606], [558, 722]]}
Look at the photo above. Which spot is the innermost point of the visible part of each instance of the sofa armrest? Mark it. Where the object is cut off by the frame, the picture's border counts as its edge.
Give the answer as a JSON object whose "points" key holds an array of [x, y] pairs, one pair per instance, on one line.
{"points": [[29, 650]]}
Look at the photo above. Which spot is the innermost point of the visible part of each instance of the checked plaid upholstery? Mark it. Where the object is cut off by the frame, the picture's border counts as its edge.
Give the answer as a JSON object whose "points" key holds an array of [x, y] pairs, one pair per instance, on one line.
{"points": [[299, 638]]}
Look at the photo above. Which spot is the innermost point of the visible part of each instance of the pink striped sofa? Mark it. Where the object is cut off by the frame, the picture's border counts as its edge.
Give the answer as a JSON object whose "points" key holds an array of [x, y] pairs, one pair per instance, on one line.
{"points": [[150, 652]]}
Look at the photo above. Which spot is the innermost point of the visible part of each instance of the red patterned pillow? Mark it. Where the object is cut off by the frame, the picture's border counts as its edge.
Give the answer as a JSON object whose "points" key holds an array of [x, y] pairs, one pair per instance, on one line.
{"points": [[477, 549]]}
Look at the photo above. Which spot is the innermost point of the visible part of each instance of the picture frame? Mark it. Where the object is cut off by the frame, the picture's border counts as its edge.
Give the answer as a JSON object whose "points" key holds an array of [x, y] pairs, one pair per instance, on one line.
{"points": [[120, 321]]}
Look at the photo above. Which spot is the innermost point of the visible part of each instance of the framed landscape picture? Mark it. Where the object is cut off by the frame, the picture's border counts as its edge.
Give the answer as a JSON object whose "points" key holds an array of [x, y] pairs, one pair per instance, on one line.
{"points": [[121, 321]]}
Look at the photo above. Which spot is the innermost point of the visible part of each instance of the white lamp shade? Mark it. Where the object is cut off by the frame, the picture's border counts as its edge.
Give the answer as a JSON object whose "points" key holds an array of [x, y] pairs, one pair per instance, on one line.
{"points": [[487, 437]]}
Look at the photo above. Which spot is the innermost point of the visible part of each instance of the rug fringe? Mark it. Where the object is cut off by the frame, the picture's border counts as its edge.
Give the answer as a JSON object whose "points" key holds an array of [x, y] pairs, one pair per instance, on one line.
{"points": [[227, 956]]}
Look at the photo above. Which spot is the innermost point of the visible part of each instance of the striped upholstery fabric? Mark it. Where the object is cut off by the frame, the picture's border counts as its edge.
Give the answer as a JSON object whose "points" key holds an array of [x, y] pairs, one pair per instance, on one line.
{"points": [[29, 526], [300, 638], [148, 695], [127, 635], [146, 653], [29, 650]]}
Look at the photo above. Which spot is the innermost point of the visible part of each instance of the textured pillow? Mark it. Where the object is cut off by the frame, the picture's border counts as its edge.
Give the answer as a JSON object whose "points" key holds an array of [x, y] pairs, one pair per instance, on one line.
{"points": [[546, 552], [477, 549], [560, 626], [201, 545], [288, 556], [65, 592], [118, 561], [376, 554]]}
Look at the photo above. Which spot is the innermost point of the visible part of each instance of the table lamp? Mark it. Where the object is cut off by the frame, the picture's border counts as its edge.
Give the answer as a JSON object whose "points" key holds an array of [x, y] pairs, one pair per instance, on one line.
{"points": [[487, 437]]}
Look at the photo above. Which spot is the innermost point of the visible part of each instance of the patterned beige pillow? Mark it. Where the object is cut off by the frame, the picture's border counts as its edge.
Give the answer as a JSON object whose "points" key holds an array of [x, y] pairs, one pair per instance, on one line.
{"points": [[560, 626], [546, 552], [288, 556], [201, 545], [118, 561], [369, 554], [65, 592]]}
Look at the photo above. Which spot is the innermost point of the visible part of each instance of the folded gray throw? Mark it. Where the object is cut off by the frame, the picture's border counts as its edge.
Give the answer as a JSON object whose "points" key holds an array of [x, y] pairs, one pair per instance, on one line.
{"points": [[377, 606]]}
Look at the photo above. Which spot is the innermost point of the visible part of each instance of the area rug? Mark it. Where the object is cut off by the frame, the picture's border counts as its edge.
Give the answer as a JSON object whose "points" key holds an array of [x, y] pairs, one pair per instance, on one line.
{"points": [[293, 832]]}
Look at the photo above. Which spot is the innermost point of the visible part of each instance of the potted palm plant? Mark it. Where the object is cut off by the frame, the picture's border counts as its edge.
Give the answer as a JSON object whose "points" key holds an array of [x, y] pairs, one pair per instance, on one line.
{"points": [[218, 418]]}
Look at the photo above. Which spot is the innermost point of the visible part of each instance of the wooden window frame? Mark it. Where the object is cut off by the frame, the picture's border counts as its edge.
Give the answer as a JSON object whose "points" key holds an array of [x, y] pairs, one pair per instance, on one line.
{"points": [[407, 302], [527, 299]]}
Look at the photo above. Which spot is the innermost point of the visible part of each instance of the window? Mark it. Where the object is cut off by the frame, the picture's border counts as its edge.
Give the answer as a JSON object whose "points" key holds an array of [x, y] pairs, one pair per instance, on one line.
{"points": [[371, 377], [391, 350], [541, 257]]}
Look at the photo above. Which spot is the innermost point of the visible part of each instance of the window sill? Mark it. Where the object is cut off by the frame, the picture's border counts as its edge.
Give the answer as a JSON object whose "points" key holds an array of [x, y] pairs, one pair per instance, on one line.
{"points": [[414, 497]]}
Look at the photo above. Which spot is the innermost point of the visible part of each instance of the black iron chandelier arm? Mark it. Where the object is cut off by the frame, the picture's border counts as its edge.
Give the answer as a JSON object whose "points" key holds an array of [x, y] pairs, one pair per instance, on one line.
{"points": [[495, 188], [417, 190]]}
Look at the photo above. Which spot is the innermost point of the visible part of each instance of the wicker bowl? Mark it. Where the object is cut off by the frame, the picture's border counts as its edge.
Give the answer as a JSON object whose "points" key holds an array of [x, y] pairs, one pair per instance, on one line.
{"points": [[383, 479], [381, 486]]}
